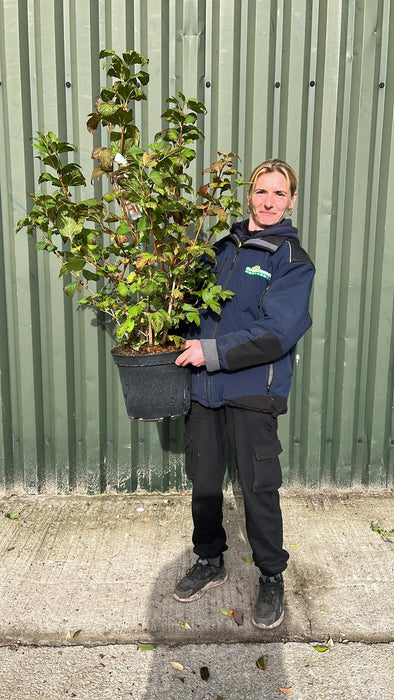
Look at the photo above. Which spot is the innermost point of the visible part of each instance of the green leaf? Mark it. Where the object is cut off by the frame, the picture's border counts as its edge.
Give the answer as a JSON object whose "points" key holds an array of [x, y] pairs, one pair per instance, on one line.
{"points": [[108, 196], [196, 106], [123, 289], [375, 527], [321, 649], [71, 288], [193, 317], [13, 516], [142, 646], [107, 110], [260, 663], [169, 135], [176, 339], [125, 328], [47, 177], [132, 57], [156, 178], [89, 275], [72, 176], [249, 560], [123, 229], [72, 265], [43, 245], [67, 226]]}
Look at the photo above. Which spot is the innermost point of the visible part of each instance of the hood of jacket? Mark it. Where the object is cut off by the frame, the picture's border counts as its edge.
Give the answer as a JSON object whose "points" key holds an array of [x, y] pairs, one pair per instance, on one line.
{"points": [[283, 229]]}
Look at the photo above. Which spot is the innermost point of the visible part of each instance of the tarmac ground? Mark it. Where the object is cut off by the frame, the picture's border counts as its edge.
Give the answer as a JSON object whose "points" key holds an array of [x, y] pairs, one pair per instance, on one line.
{"points": [[86, 584]]}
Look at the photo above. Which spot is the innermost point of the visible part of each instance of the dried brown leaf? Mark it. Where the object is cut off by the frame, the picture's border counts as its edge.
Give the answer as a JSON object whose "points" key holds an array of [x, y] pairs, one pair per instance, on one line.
{"points": [[238, 617], [204, 673]]}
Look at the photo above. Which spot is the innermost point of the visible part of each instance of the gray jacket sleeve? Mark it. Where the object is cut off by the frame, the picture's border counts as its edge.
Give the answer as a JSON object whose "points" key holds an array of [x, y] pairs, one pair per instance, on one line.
{"points": [[210, 353]]}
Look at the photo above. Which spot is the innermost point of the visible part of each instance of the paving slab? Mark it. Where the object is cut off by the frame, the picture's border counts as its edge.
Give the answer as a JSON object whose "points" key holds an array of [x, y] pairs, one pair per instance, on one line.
{"points": [[83, 570], [296, 670]]}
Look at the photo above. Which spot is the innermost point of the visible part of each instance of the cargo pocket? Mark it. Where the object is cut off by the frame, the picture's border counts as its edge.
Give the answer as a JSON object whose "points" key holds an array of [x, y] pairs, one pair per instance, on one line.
{"points": [[267, 474]]}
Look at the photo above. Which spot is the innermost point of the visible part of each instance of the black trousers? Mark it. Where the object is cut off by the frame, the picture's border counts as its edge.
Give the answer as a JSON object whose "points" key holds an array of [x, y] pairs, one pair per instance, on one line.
{"points": [[255, 445]]}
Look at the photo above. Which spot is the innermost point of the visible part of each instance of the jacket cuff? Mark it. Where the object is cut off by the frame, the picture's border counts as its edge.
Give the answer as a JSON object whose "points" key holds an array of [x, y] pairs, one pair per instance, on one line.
{"points": [[211, 356]]}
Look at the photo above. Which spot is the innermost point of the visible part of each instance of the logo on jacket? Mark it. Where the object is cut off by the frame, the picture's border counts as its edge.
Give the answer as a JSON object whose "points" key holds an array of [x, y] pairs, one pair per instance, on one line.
{"points": [[256, 270]]}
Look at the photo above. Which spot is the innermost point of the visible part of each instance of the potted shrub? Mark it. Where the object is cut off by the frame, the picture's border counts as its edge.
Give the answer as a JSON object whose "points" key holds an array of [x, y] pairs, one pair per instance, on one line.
{"points": [[142, 253]]}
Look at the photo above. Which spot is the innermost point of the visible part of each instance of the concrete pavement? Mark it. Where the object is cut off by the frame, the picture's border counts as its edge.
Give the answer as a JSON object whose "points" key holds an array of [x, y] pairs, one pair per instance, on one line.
{"points": [[82, 574]]}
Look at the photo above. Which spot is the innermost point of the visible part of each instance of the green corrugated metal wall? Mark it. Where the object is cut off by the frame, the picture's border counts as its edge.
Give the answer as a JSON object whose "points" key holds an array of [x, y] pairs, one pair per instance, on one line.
{"points": [[310, 81]]}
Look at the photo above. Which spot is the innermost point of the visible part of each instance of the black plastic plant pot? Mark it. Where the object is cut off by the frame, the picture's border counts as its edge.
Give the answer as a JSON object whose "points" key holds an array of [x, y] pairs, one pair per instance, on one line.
{"points": [[154, 387]]}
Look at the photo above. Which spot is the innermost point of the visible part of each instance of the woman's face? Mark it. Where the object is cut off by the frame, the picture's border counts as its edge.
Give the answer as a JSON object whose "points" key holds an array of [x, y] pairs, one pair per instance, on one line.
{"points": [[269, 201]]}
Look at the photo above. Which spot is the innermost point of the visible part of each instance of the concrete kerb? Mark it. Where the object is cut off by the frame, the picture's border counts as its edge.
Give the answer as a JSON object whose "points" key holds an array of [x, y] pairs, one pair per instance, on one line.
{"points": [[94, 570]]}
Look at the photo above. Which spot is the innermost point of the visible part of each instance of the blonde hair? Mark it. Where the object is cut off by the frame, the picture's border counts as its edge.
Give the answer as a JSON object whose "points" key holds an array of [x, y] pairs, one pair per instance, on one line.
{"points": [[270, 166]]}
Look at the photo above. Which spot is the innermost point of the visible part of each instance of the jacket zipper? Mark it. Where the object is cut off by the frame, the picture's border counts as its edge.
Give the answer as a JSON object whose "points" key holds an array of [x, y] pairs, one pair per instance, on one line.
{"points": [[270, 376], [225, 285], [260, 304], [234, 259]]}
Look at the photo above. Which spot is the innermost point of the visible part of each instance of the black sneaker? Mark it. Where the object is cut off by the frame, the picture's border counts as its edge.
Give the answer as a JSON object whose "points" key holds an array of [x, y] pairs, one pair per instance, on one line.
{"points": [[268, 612], [199, 579]]}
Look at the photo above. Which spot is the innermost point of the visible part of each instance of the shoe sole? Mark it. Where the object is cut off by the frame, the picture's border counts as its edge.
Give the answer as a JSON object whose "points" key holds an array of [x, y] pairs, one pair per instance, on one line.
{"points": [[277, 622], [201, 592]]}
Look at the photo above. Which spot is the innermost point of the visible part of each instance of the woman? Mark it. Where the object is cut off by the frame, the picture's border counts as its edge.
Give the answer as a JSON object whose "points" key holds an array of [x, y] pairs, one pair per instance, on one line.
{"points": [[242, 366]]}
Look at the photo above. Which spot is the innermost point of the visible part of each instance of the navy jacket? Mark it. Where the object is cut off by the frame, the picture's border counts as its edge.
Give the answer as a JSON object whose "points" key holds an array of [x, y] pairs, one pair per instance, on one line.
{"points": [[249, 349]]}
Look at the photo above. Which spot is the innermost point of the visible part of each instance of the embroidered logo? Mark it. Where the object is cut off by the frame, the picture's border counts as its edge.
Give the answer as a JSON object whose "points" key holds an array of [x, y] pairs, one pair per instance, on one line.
{"points": [[256, 270]]}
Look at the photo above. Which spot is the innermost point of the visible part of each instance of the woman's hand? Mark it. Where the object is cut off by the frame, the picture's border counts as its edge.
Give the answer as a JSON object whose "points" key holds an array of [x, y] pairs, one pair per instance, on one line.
{"points": [[193, 355]]}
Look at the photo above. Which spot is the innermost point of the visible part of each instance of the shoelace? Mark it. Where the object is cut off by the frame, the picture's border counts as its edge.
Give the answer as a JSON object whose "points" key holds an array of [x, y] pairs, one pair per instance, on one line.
{"points": [[269, 591], [193, 570]]}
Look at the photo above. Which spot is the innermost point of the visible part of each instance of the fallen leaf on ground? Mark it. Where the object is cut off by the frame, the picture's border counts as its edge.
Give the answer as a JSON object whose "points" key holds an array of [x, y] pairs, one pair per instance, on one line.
{"points": [[176, 665], [375, 527], [296, 544], [71, 635], [285, 690], [249, 560], [321, 648], [227, 612], [145, 646], [13, 516], [204, 673], [260, 663], [185, 625], [238, 617]]}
